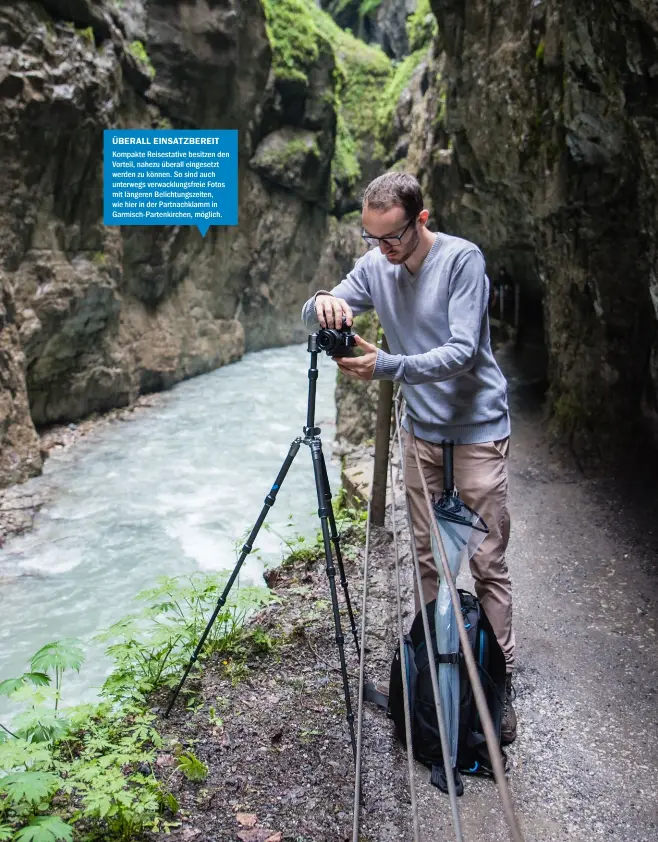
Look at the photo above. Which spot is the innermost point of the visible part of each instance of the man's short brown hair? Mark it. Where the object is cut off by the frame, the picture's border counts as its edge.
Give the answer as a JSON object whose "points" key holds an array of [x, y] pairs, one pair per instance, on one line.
{"points": [[395, 189]]}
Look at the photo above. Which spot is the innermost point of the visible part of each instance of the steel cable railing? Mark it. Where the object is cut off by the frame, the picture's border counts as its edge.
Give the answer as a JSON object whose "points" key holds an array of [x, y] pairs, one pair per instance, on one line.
{"points": [[480, 701], [359, 715], [403, 664], [478, 693], [443, 734]]}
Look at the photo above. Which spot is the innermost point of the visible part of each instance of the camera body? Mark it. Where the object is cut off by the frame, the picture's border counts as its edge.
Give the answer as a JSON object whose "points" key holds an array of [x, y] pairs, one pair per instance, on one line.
{"points": [[337, 342]]}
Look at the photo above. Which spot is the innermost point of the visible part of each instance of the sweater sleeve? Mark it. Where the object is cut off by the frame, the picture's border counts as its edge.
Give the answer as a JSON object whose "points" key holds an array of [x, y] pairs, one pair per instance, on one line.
{"points": [[354, 288], [465, 310]]}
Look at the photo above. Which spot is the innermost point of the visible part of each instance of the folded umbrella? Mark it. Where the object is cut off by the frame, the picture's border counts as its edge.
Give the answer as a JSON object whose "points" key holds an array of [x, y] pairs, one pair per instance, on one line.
{"points": [[462, 532]]}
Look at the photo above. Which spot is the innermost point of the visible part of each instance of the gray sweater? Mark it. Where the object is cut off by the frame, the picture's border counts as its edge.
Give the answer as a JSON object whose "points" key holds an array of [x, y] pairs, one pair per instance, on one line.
{"points": [[437, 328]]}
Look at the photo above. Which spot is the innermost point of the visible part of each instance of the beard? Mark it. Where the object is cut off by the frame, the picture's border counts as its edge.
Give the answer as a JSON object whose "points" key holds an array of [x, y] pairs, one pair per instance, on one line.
{"points": [[400, 254]]}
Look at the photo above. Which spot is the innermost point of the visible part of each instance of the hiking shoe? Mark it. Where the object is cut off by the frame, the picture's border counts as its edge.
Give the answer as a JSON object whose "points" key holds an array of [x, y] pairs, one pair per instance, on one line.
{"points": [[508, 723]]}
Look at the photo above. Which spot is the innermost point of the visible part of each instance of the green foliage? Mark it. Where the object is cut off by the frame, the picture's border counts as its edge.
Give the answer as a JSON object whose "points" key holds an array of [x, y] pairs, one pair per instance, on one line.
{"points": [[298, 31], [139, 51], [293, 36], [58, 656], [153, 647], [260, 641], [45, 829], [96, 762], [24, 790], [362, 73], [368, 6], [192, 767], [539, 53], [401, 78], [421, 26], [11, 685], [87, 33]]}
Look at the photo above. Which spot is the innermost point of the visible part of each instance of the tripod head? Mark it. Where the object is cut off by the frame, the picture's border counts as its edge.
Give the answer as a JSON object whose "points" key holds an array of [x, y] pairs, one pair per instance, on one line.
{"points": [[336, 342]]}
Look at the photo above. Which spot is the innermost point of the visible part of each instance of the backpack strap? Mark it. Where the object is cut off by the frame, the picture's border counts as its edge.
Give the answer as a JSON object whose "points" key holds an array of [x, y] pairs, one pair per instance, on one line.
{"points": [[452, 658]]}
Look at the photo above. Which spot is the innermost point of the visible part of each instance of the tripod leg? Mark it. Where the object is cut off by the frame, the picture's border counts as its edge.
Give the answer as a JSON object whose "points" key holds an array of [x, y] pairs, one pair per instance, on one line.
{"points": [[316, 453], [339, 557], [246, 549]]}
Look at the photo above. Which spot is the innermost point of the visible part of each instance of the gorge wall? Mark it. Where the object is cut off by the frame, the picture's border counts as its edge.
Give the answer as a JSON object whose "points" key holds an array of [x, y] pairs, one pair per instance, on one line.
{"points": [[534, 129], [91, 316], [532, 125]]}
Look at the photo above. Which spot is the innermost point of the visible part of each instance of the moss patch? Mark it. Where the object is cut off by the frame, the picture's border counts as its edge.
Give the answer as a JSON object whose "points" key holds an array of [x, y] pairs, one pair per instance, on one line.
{"points": [[294, 38], [291, 154], [363, 73], [296, 29], [345, 165], [393, 91], [421, 26], [139, 51]]}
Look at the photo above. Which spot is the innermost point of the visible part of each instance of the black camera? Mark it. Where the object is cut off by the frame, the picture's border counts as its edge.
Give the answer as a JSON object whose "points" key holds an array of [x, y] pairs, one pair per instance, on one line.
{"points": [[337, 342]]}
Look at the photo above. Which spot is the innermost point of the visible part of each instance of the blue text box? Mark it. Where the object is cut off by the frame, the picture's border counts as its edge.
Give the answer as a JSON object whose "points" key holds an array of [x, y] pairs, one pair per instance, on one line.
{"points": [[170, 177]]}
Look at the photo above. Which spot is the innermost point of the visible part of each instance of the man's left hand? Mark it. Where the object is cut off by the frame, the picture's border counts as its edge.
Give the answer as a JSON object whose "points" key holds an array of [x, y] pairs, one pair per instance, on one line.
{"points": [[360, 368]]}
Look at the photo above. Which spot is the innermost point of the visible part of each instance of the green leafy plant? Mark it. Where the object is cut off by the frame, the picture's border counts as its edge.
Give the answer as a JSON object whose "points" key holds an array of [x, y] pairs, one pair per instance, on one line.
{"points": [[151, 648], [57, 657], [93, 765], [192, 767], [45, 829], [214, 719]]}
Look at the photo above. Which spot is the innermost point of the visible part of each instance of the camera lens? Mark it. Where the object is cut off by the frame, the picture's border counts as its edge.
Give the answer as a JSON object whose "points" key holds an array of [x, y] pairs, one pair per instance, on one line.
{"points": [[326, 339]]}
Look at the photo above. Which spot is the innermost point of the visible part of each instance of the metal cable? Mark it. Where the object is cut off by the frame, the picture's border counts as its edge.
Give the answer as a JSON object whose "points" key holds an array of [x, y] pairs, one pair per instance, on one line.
{"points": [[357, 781], [447, 763], [478, 693], [403, 665]]}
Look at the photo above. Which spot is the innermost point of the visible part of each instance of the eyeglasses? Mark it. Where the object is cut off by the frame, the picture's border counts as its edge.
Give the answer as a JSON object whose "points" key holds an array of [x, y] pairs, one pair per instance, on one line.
{"points": [[390, 241]]}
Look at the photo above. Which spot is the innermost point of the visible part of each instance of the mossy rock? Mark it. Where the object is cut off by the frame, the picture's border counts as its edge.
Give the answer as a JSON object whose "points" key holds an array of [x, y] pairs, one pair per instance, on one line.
{"points": [[292, 158], [300, 33]]}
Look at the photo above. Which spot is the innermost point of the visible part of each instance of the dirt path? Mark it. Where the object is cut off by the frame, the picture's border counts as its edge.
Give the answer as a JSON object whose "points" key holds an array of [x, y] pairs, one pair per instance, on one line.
{"points": [[585, 764]]}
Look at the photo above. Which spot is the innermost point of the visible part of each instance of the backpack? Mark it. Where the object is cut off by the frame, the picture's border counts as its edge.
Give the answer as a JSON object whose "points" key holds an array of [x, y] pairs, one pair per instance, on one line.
{"points": [[472, 753]]}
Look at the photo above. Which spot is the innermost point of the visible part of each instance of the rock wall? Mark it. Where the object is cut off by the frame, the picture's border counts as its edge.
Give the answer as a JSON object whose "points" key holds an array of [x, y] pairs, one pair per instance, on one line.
{"points": [[379, 22], [535, 133], [93, 315]]}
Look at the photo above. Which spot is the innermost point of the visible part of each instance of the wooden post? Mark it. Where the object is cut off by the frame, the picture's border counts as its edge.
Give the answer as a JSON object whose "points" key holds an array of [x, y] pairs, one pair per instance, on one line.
{"points": [[382, 442]]}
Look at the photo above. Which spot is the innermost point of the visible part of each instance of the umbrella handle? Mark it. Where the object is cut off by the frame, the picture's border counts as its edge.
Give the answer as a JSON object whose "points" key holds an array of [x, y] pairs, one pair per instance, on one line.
{"points": [[448, 474]]}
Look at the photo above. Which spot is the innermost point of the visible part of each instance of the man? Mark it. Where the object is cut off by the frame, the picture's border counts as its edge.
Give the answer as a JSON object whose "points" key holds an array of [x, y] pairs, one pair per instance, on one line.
{"points": [[430, 292]]}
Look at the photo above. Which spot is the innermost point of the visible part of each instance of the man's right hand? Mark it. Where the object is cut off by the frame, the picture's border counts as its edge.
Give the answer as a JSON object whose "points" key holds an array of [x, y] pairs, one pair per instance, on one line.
{"points": [[330, 311]]}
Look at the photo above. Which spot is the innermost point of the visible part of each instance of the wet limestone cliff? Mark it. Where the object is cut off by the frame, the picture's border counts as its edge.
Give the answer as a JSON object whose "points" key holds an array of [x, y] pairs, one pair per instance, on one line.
{"points": [[534, 129], [91, 315]]}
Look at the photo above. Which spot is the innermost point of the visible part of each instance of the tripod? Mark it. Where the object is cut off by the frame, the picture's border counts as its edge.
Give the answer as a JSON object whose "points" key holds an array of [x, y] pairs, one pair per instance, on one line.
{"points": [[329, 535]]}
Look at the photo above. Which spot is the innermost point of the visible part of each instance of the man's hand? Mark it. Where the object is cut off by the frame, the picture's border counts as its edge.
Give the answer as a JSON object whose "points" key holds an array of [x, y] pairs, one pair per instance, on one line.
{"points": [[330, 311], [360, 368]]}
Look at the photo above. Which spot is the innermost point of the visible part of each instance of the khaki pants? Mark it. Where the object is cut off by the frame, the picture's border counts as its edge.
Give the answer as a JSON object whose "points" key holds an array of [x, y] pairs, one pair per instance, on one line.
{"points": [[481, 480]]}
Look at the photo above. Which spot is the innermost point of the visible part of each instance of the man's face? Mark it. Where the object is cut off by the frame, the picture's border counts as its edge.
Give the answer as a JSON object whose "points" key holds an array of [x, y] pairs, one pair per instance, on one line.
{"points": [[391, 223]]}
